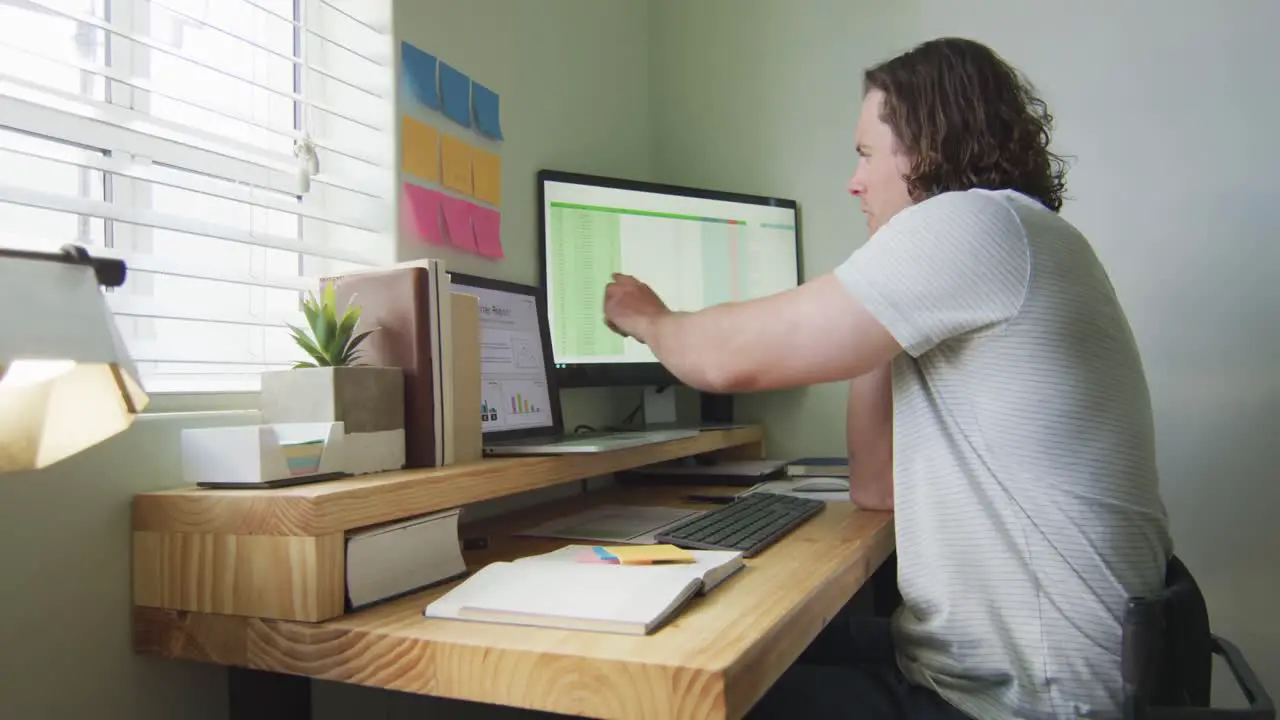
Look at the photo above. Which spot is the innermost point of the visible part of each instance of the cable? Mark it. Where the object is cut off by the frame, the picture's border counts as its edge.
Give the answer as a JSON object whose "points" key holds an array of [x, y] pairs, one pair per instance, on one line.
{"points": [[631, 416], [627, 420]]}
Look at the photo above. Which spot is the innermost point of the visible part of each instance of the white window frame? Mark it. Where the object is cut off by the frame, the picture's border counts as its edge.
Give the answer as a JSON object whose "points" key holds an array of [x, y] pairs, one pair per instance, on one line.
{"points": [[128, 59]]}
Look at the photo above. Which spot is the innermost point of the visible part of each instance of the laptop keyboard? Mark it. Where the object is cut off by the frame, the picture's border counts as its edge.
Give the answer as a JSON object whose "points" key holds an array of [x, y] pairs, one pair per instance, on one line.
{"points": [[749, 524]]}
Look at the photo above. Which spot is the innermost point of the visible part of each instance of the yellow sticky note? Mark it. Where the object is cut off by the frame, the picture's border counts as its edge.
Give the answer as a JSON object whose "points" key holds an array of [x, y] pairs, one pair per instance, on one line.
{"points": [[649, 554], [420, 149], [487, 171], [457, 163]]}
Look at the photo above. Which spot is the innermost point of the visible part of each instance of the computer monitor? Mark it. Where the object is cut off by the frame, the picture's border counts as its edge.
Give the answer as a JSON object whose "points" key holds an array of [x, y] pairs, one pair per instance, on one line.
{"points": [[518, 395], [696, 248]]}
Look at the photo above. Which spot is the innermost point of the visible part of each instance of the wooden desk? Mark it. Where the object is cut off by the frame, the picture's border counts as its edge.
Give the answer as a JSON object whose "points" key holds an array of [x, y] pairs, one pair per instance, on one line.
{"points": [[713, 661]]}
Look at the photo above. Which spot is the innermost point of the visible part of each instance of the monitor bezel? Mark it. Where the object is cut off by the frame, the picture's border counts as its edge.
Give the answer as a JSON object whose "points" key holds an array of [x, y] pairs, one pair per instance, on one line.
{"points": [[646, 373], [539, 295]]}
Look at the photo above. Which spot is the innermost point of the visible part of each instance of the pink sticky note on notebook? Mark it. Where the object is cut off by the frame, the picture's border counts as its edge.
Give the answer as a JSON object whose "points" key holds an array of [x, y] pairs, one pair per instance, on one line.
{"points": [[488, 225], [422, 211], [457, 220]]}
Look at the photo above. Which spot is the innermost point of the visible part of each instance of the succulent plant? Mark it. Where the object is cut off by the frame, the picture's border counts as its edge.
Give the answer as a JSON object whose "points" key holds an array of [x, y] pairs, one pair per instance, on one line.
{"points": [[332, 342]]}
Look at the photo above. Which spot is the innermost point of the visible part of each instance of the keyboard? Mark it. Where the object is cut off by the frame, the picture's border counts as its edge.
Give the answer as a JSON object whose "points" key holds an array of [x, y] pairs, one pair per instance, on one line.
{"points": [[751, 523]]}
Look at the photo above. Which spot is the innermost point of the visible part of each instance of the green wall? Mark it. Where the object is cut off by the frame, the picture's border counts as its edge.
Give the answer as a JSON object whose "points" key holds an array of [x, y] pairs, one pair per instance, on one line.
{"points": [[763, 97]]}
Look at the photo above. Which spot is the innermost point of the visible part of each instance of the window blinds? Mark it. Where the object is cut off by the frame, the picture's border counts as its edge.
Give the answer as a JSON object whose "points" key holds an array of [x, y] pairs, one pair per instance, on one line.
{"points": [[230, 151]]}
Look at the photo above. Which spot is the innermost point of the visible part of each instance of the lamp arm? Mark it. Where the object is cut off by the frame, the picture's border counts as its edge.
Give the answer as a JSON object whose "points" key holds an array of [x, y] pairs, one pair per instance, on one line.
{"points": [[109, 271]]}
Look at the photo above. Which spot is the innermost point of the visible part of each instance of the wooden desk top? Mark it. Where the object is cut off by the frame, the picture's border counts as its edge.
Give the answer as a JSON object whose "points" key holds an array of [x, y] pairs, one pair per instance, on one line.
{"points": [[713, 661]]}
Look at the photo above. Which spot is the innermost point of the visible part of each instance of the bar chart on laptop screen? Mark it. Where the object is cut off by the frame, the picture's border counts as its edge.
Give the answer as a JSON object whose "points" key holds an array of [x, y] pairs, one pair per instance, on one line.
{"points": [[691, 260], [512, 369]]}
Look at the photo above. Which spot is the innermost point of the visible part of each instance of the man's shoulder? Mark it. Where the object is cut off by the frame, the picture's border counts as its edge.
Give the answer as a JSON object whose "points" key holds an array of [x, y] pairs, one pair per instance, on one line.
{"points": [[966, 212], [973, 200]]}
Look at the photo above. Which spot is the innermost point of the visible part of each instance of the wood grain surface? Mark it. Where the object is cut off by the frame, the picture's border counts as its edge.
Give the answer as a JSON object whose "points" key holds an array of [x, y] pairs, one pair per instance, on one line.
{"points": [[284, 578], [339, 505], [713, 661]]}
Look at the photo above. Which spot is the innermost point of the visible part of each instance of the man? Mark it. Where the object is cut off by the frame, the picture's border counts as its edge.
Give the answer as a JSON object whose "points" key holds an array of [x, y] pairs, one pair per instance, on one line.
{"points": [[997, 403]]}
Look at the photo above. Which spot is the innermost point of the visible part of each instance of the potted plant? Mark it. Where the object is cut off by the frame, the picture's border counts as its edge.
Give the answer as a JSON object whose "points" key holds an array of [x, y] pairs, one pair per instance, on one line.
{"points": [[331, 385]]}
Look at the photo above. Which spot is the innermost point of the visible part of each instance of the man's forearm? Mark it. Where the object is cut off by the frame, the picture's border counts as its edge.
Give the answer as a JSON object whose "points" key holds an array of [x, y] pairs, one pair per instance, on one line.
{"points": [[815, 333], [699, 348], [869, 427]]}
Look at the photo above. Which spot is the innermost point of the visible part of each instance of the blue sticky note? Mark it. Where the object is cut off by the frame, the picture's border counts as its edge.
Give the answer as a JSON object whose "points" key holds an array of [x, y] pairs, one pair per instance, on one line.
{"points": [[419, 73], [455, 87], [488, 118]]}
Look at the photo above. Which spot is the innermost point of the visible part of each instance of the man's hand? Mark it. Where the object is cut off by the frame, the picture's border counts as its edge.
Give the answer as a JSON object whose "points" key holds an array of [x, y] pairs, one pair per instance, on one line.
{"points": [[630, 307]]}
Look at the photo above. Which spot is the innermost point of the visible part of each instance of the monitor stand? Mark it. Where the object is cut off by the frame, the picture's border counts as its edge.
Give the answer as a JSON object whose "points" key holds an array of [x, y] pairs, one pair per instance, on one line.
{"points": [[717, 411], [659, 406]]}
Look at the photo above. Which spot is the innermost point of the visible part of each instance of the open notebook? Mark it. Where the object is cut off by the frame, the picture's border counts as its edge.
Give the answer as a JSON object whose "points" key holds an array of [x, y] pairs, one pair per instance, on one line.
{"points": [[556, 590]]}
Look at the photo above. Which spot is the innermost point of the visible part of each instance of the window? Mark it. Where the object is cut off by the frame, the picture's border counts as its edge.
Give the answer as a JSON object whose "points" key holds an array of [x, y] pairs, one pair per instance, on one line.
{"points": [[232, 152]]}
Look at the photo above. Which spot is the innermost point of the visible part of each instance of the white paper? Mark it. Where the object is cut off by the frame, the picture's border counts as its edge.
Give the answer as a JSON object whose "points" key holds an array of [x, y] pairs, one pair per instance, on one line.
{"points": [[631, 524], [806, 487]]}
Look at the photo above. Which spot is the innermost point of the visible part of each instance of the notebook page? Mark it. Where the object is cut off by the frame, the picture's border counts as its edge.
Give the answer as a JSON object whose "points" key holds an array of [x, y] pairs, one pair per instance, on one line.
{"points": [[608, 593], [709, 566]]}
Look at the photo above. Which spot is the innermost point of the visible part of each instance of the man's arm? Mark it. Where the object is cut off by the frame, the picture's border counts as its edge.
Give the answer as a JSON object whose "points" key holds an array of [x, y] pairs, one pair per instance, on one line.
{"points": [[818, 332], [954, 264], [869, 430]]}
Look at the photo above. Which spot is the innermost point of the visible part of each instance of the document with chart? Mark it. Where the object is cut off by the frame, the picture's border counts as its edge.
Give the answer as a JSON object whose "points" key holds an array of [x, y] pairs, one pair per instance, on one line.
{"points": [[514, 387]]}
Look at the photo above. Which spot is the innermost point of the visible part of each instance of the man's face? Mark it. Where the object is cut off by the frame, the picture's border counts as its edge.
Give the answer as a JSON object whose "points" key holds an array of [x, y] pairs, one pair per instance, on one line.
{"points": [[880, 181]]}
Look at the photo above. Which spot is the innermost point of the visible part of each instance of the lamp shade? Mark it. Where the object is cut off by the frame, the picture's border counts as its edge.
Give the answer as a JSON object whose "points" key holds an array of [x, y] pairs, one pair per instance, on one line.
{"points": [[66, 380]]}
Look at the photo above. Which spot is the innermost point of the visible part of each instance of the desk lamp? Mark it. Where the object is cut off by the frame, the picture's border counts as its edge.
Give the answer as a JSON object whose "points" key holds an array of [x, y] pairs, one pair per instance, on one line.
{"points": [[66, 380]]}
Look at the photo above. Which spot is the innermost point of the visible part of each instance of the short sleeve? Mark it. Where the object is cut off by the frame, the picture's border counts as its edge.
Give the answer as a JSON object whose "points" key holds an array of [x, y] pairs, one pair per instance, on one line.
{"points": [[955, 264]]}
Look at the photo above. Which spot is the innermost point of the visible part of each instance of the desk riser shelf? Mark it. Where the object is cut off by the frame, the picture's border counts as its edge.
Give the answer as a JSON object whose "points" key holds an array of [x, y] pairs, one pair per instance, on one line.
{"points": [[279, 553]]}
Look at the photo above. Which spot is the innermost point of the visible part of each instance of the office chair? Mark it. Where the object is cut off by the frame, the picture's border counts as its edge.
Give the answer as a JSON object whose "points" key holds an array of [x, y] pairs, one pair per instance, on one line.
{"points": [[1167, 657]]}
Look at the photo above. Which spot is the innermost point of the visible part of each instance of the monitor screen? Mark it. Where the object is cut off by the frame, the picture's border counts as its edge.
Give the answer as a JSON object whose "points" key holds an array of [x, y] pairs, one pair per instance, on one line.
{"points": [[515, 391], [695, 248]]}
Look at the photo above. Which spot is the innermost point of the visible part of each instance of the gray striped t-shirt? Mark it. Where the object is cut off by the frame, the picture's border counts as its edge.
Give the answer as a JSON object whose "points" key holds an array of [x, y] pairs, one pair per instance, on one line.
{"points": [[1026, 500]]}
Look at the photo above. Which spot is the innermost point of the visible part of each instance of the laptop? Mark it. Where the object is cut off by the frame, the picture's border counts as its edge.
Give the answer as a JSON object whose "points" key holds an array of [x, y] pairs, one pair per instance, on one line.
{"points": [[520, 401]]}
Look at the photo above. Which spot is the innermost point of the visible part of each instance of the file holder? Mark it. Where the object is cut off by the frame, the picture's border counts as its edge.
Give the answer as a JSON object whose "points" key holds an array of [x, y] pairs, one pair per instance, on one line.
{"points": [[262, 456]]}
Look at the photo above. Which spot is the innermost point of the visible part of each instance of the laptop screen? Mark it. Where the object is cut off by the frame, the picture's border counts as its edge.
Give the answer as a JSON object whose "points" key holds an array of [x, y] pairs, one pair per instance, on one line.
{"points": [[517, 398]]}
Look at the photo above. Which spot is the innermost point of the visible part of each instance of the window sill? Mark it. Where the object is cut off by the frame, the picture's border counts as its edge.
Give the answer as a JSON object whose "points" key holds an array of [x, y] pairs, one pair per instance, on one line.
{"points": [[171, 403]]}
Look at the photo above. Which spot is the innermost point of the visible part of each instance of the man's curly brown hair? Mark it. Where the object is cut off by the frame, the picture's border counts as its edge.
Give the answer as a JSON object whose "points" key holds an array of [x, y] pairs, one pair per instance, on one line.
{"points": [[967, 119]]}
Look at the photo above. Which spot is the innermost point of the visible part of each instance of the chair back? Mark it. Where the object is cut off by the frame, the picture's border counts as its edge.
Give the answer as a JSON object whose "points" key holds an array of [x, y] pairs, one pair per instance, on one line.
{"points": [[1167, 650]]}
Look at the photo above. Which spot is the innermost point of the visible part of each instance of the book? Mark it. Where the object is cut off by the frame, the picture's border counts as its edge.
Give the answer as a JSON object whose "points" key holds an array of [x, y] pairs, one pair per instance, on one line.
{"points": [[410, 306], [712, 567], [391, 559], [467, 423], [555, 590]]}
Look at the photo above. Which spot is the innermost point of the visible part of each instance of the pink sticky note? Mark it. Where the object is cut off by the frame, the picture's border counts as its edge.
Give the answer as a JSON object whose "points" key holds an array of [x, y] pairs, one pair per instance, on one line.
{"points": [[488, 223], [422, 210], [457, 218]]}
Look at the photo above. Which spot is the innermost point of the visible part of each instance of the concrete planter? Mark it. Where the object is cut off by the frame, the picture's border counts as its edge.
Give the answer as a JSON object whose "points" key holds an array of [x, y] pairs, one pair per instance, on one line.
{"points": [[368, 400]]}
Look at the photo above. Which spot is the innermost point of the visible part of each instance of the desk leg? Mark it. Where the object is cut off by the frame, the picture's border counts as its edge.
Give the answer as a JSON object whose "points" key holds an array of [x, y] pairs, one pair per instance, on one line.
{"points": [[262, 695]]}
